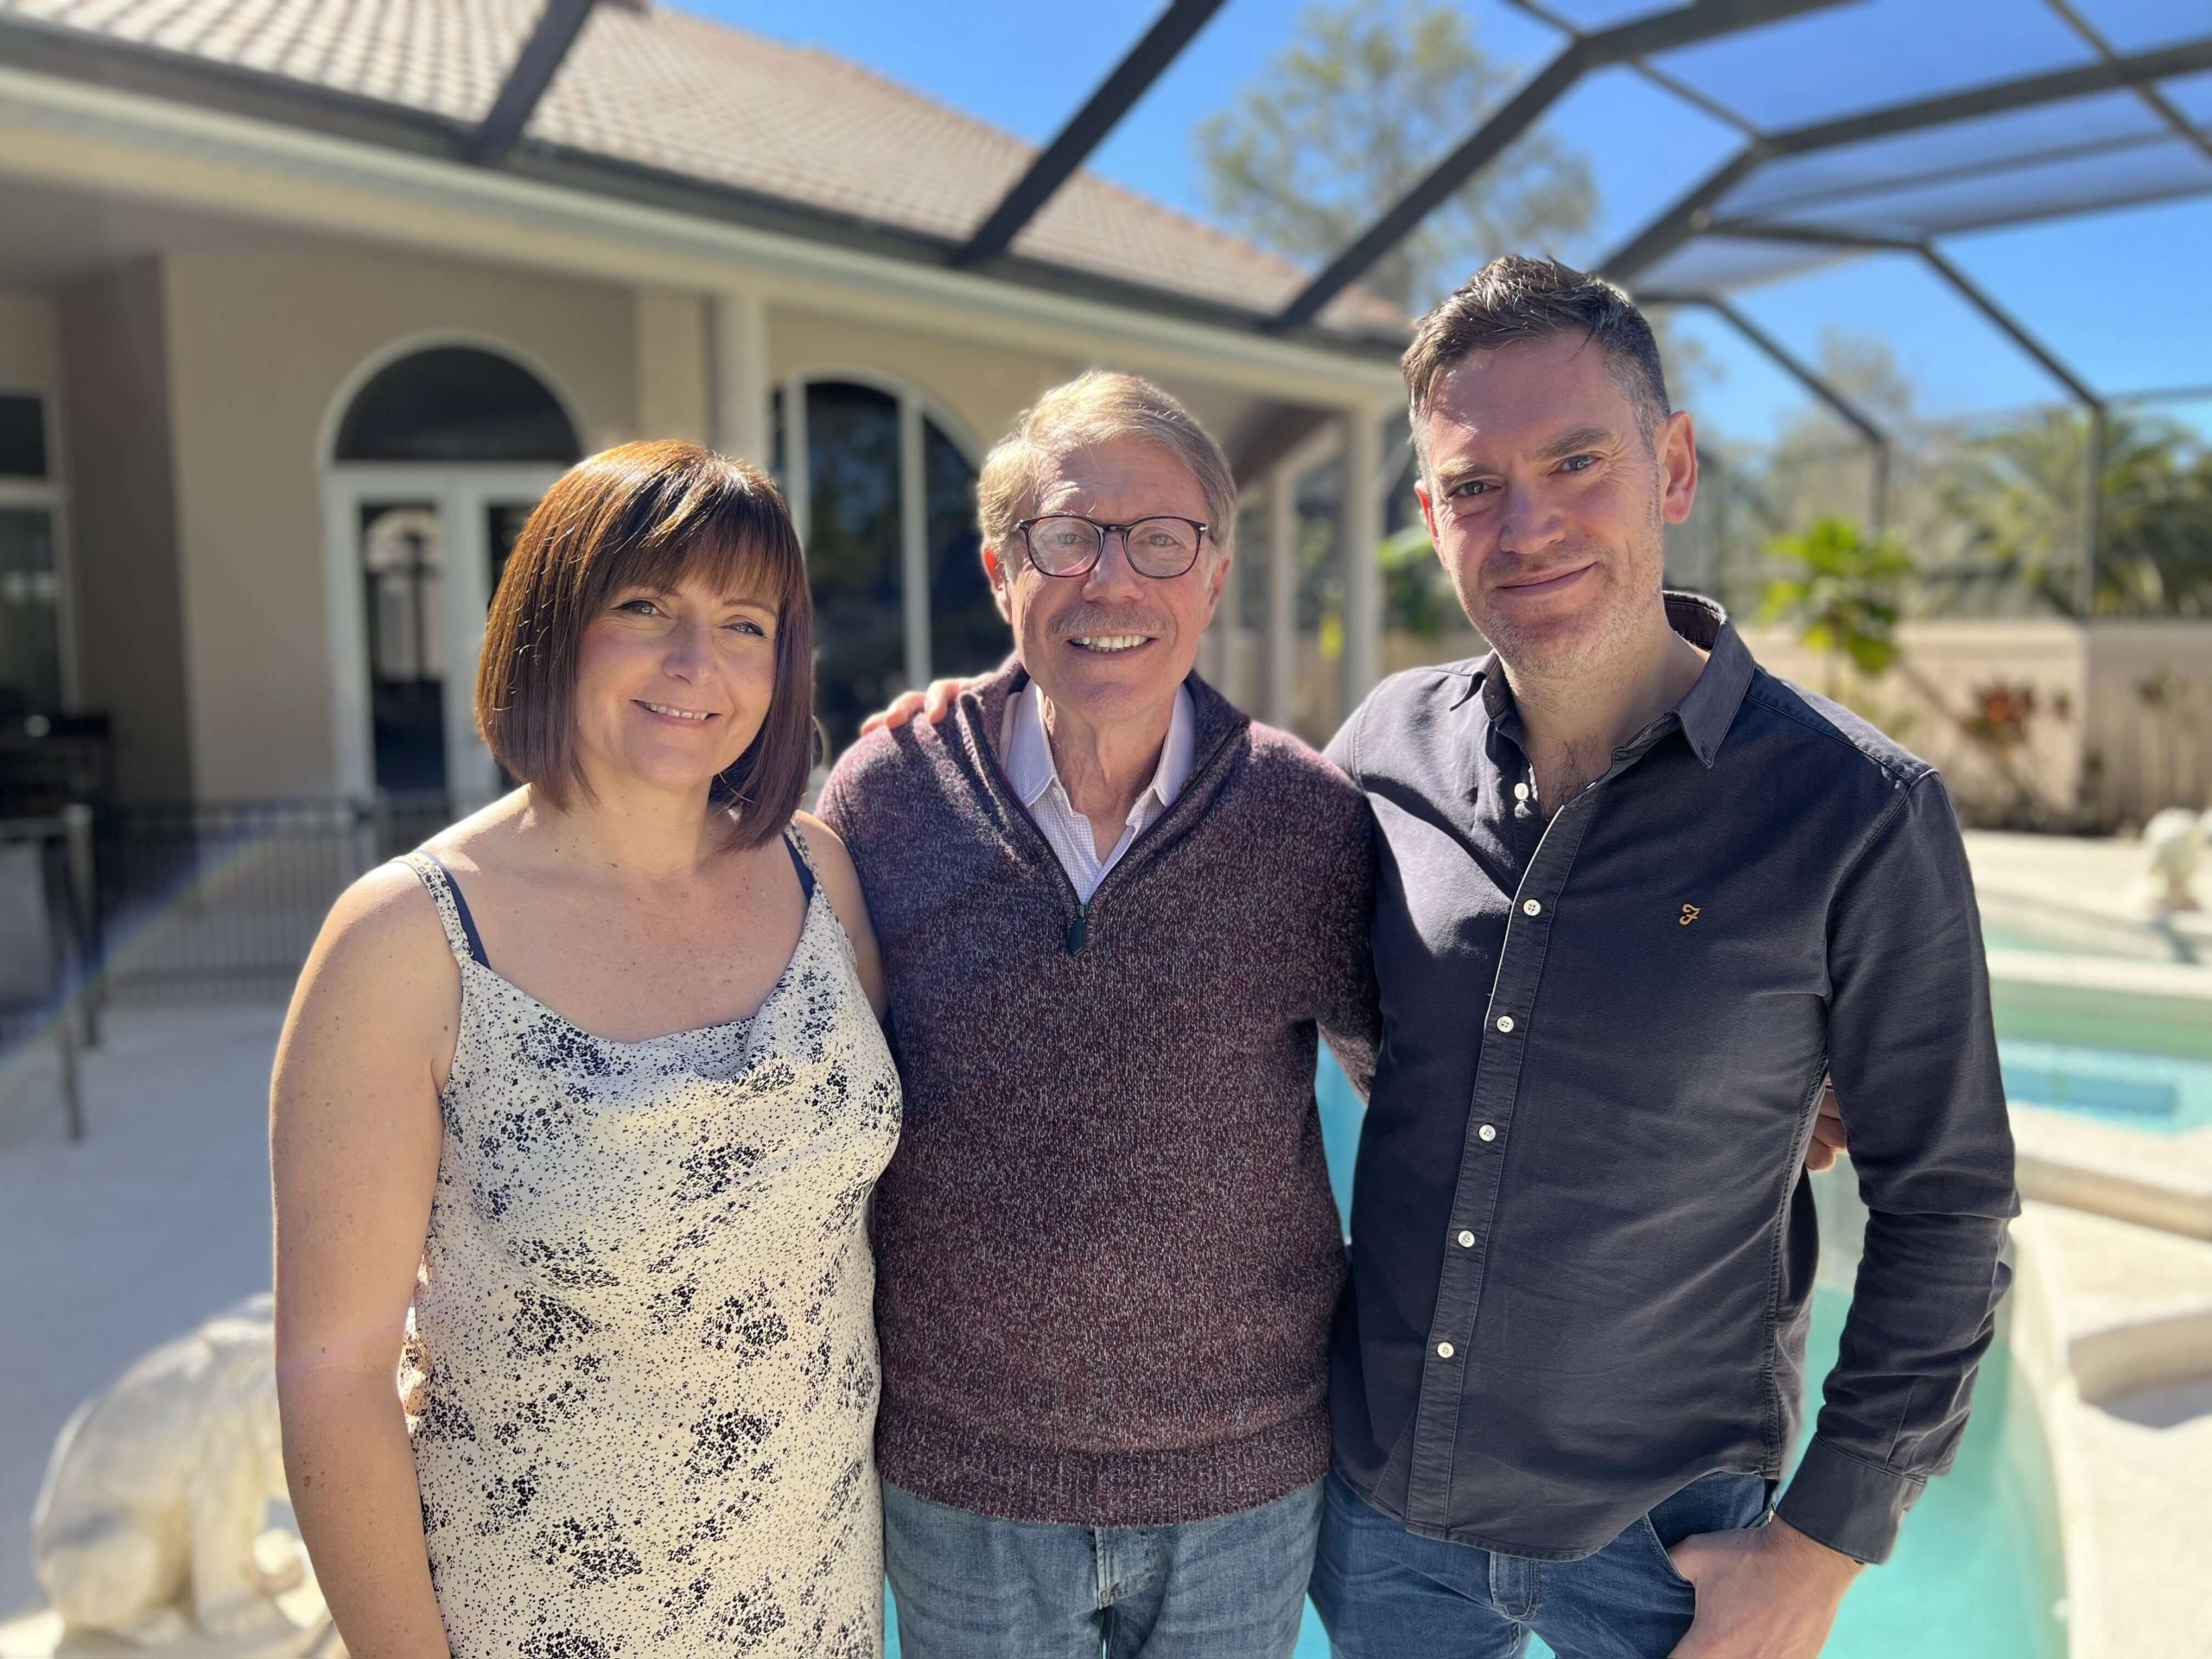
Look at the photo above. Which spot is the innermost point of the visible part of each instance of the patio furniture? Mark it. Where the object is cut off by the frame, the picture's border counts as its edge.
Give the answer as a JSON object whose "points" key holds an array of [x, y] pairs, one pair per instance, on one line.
{"points": [[44, 914]]}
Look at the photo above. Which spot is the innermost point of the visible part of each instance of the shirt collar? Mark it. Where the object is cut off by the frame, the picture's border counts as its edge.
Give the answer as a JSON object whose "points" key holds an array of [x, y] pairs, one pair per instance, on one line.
{"points": [[1029, 764], [1708, 709]]}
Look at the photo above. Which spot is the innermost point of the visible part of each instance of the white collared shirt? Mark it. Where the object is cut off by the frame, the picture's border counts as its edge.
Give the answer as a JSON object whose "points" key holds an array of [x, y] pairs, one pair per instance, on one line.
{"points": [[1036, 781]]}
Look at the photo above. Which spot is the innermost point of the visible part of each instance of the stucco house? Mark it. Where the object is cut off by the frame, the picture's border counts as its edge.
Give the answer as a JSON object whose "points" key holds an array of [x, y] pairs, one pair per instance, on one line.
{"points": [[291, 338]]}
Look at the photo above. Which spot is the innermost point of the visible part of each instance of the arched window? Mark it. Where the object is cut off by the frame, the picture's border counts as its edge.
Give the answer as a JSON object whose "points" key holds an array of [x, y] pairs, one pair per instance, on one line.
{"points": [[853, 553], [437, 460], [455, 403], [967, 633], [857, 529]]}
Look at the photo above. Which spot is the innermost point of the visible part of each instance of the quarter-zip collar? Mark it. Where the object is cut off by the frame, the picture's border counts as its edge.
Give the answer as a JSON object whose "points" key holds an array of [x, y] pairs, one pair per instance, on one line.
{"points": [[1218, 728]]}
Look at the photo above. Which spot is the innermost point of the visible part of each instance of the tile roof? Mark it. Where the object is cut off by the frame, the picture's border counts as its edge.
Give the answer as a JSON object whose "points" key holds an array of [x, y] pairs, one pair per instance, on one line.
{"points": [[659, 88]]}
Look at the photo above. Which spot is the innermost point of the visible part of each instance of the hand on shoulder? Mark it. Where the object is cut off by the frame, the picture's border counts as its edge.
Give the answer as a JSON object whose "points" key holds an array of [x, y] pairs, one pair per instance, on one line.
{"points": [[932, 705]]}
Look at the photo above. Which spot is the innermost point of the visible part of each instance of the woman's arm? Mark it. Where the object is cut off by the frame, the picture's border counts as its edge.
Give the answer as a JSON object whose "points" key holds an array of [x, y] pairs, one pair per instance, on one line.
{"points": [[354, 1137], [842, 883]]}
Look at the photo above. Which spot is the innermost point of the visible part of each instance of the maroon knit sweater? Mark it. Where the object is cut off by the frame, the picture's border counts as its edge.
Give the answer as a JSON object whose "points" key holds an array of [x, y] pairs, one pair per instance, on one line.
{"points": [[1106, 1251]]}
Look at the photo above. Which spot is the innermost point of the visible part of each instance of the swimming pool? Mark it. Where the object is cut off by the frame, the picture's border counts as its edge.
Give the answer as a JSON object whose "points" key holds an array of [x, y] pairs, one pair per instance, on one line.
{"points": [[2130, 1043]]}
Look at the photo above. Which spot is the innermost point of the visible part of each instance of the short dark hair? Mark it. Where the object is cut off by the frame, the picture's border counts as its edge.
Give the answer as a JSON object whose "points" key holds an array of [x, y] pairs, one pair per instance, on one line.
{"points": [[647, 515], [1513, 300]]}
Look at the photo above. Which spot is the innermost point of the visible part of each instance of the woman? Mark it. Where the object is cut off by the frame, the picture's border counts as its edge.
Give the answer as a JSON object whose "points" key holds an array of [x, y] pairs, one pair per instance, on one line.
{"points": [[594, 1081]]}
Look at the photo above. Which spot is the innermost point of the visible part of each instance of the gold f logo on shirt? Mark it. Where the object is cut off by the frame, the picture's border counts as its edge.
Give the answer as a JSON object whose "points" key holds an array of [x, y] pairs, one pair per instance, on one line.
{"points": [[1690, 914]]}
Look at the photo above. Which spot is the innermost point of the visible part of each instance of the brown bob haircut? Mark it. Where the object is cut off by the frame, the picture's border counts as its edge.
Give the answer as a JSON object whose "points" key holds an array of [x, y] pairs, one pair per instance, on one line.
{"points": [[647, 515]]}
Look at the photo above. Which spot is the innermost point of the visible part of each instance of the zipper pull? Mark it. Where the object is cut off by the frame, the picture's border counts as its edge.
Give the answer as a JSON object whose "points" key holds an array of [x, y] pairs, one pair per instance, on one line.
{"points": [[1079, 929]]}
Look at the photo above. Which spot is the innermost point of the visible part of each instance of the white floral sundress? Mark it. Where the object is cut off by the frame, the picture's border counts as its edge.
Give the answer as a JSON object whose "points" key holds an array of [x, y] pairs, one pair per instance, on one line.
{"points": [[641, 1367]]}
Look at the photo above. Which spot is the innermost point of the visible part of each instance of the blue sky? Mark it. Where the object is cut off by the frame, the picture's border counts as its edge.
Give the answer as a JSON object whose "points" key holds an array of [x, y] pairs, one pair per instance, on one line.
{"points": [[2120, 295]]}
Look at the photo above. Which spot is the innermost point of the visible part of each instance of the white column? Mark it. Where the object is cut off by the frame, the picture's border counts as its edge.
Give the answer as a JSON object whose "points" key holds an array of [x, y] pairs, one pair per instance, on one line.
{"points": [[798, 485], [1361, 540], [1281, 670], [464, 581], [738, 377], [1362, 536], [913, 543]]}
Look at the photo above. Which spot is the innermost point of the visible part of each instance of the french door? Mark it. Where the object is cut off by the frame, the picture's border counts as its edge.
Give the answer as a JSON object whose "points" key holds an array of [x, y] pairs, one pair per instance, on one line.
{"points": [[412, 556]]}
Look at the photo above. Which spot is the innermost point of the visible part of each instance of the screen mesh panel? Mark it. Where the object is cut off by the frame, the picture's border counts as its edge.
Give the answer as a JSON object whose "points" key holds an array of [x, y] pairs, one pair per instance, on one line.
{"points": [[1714, 265], [2149, 172], [1955, 148], [2144, 25], [1834, 63]]}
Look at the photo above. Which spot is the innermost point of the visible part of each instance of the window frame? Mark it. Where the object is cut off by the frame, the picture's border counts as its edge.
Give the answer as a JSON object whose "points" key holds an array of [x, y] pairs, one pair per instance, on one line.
{"points": [[51, 493], [916, 405]]}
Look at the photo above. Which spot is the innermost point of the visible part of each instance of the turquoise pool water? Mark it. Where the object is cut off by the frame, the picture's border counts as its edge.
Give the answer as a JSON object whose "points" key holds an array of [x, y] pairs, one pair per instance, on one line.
{"points": [[2166, 1093], [1977, 1572]]}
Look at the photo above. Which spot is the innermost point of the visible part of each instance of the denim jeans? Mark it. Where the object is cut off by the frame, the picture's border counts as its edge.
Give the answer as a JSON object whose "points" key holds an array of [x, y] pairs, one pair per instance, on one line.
{"points": [[1387, 1594], [971, 1586]]}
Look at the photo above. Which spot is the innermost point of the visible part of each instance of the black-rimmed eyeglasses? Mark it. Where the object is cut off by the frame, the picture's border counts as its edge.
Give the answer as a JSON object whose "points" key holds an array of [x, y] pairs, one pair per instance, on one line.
{"points": [[1068, 544]]}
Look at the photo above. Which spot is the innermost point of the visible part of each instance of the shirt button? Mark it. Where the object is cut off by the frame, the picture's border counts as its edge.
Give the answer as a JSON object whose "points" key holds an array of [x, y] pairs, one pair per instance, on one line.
{"points": [[1466, 1241], [1488, 1132], [1520, 792], [1444, 1350], [1506, 1022], [1531, 907]]}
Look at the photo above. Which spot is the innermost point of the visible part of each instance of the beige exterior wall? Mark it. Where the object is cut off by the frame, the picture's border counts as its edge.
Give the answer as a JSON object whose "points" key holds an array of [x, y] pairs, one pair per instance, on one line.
{"points": [[30, 341], [2148, 737], [125, 583], [673, 365], [262, 343]]}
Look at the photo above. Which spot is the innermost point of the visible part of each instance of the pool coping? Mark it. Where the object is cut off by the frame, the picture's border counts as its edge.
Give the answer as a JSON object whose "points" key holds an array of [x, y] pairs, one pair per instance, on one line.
{"points": [[2101, 1305], [2152, 1180]]}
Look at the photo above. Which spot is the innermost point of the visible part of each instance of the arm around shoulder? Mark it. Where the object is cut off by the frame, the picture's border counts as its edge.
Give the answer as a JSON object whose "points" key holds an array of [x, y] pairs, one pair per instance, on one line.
{"points": [[354, 1140], [841, 882]]}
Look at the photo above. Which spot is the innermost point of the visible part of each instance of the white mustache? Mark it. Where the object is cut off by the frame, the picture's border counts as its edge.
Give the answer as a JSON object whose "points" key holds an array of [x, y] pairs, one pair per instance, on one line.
{"points": [[1089, 623]]}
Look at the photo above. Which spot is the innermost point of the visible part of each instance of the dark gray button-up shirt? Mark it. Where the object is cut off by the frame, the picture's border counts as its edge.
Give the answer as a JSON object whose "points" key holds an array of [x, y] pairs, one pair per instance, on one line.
{"points": [[1583, 1242]]}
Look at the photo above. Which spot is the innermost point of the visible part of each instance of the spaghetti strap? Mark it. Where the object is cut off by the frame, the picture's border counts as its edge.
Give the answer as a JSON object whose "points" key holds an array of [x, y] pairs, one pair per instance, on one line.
{"points": [[803, 861], [453, 909]]}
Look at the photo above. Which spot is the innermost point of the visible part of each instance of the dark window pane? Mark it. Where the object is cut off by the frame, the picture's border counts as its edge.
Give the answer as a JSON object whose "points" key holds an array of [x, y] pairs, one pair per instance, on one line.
{"points": [[22, 436], [967, 633], [31, 632], [455, 403], [503, 529], [402, 563], [852, 553]]}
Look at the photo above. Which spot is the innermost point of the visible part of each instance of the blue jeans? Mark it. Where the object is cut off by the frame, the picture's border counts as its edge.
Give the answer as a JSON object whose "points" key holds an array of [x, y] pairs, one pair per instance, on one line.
{"points": [[971, 1586], [1387, 1594]]}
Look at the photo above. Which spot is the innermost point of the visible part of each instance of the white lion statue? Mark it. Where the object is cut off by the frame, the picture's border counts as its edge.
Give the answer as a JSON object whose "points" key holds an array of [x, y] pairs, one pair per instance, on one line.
{"points": [[2173, 846], [154, 1523]]}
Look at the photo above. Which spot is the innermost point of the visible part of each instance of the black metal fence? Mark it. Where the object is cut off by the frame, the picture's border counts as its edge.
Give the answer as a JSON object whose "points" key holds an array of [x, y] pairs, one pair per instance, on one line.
{"points": [[222, 900]]}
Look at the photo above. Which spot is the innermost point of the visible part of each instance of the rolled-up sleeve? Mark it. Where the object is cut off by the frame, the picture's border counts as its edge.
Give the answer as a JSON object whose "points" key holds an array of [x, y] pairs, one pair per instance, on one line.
{"points": [[1913, 1052]]}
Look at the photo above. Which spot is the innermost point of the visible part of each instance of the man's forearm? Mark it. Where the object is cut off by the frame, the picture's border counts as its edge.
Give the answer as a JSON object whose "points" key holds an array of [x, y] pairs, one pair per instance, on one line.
{"points": [[1923, 1314]]}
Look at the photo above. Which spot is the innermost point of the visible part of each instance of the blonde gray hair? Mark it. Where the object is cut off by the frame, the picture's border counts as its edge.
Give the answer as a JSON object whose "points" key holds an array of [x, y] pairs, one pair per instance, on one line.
{"points": [[1094, 409]]}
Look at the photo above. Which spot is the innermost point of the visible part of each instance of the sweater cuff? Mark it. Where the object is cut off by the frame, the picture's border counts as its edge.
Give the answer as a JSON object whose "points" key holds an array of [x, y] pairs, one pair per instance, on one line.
{"points": [[1848, 1504]]}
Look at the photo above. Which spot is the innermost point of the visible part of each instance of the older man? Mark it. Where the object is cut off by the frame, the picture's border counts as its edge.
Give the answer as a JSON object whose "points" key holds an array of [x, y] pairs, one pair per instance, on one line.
{"points": [[1637, 894], [1113, 913]]}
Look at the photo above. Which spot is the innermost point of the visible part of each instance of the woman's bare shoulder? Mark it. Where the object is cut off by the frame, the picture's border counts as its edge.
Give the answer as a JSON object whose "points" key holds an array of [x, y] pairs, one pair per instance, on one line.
{"points": [[385, 931], [839, 876], [830, 856]]}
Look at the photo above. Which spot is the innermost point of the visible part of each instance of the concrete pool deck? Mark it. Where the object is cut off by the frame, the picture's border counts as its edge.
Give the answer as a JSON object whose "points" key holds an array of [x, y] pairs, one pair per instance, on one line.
{"points": [[2112, 1323], [2084, 893]]}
